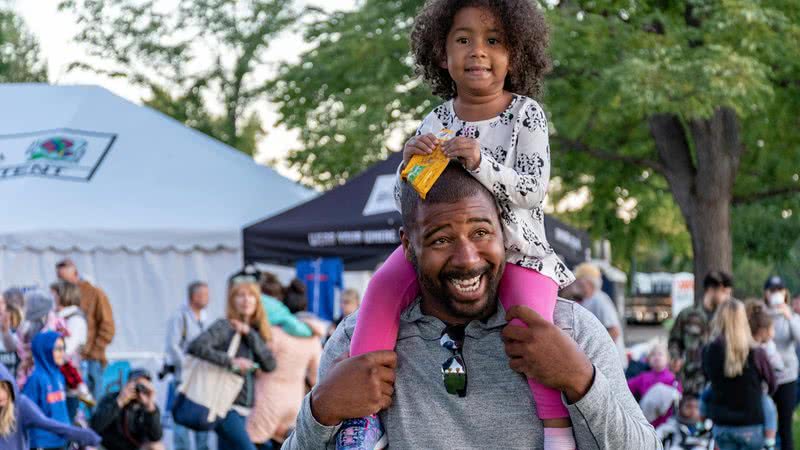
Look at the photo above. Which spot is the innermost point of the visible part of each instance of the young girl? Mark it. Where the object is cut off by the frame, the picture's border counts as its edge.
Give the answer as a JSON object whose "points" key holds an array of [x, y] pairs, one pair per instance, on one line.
{"points": [[736, 368], [244, 315], [763, 331], [484, 58], [659, 373], [19, 416], [46, 387]]}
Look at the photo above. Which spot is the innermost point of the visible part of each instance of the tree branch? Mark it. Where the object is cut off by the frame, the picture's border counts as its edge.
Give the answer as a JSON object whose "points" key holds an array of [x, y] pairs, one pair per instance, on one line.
{"points": [[607, 155], [763, 195]]}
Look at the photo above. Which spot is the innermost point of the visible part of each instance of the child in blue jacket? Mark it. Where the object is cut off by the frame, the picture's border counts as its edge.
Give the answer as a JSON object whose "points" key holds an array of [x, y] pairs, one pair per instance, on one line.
{"points": [[46, 387]]}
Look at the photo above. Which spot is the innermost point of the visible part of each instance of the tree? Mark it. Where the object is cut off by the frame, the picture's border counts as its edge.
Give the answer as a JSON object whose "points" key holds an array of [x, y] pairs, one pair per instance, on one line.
{"points": [[354, 95], [205, 55], [19, 52], [692, 102]]}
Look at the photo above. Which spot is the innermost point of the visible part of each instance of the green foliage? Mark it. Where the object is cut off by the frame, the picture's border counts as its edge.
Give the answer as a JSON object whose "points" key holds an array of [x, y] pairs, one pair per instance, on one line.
{"points": [[19, 52], [201, 57], [353, 96]]}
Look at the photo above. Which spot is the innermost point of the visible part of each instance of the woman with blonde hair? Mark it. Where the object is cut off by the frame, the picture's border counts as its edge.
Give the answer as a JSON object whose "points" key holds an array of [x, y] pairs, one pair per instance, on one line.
{"points": [[244, 315], [736, 368]]}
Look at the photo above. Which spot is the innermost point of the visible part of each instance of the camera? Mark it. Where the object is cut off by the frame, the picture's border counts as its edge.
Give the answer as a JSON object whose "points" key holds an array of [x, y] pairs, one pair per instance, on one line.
{"points": [[141, 389]]}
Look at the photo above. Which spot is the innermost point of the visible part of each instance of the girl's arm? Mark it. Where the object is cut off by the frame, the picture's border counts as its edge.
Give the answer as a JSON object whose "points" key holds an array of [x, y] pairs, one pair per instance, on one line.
{"points": [[205, 345], [32, 417], [764, 369], [525, 184]]}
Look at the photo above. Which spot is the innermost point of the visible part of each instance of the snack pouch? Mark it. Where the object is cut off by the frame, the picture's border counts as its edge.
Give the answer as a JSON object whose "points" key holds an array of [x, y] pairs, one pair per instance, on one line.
{"points": [[422, 171]]}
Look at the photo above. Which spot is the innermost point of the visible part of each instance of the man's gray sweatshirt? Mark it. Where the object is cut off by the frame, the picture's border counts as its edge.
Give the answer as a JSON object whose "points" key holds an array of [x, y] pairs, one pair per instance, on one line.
{"points": [[498, 411]]}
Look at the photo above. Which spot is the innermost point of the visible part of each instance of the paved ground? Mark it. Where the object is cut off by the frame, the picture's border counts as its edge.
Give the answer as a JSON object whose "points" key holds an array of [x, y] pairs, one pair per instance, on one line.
{"points": [[635, 334]]}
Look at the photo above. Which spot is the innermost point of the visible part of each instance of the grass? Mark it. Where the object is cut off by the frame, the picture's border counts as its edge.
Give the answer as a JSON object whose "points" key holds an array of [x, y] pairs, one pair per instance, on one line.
{"points": [[796, 428]]}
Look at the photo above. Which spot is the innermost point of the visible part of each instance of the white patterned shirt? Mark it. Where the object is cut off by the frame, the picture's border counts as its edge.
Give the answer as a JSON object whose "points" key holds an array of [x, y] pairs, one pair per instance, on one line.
{"points": [[515, 167]]}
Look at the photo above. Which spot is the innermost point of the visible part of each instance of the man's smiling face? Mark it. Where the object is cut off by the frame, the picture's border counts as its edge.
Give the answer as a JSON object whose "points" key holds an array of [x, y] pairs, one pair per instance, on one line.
{"points": [[457, 250]]}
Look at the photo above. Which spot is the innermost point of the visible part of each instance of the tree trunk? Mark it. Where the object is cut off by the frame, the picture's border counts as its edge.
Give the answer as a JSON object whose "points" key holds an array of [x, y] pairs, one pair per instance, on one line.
{"points": [[702, 185]]}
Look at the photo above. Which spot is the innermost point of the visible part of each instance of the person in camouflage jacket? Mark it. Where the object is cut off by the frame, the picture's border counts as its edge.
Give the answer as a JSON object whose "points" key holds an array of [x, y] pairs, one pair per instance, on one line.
{"points": [[692, 330]]}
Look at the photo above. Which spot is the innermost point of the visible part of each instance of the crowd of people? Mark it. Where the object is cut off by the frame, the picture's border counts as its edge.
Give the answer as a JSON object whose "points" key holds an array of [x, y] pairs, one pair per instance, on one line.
{"points": [[52, 393], [729, 371]]}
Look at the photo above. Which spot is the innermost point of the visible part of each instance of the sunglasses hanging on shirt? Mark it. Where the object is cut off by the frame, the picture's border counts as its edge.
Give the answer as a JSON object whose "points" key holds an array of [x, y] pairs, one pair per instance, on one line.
{"points": [[454, 370]]}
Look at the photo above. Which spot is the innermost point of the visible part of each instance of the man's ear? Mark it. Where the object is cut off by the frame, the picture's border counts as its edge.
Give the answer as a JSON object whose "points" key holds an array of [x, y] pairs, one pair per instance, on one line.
{"points": [[405, 241]]}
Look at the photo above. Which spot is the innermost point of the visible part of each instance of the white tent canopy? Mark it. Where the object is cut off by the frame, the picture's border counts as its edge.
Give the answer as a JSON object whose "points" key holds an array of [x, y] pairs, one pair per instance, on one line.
{"points": [[142, 203]]}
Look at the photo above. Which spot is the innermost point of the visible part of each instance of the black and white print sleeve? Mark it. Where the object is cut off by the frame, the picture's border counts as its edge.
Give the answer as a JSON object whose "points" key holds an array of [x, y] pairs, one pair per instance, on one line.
{"points": [[525, 181]]}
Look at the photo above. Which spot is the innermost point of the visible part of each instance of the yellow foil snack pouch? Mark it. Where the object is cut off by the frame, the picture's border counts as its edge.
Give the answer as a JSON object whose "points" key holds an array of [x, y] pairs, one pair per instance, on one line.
{"points": [[422, 171]]}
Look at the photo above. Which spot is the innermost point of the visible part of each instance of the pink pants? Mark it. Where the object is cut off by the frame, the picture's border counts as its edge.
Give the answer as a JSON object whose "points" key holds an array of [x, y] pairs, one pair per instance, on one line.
{"points": [[394, 286]]}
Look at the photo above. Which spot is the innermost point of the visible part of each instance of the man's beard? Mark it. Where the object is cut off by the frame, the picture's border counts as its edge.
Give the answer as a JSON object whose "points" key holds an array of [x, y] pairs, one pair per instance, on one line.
{"points": [[436, 288]]}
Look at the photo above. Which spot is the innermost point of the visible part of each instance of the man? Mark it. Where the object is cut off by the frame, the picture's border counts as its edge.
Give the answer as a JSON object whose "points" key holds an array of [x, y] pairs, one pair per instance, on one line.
{"points": [[589, 281], [130, 420], [183, 326], [451, 236], [691, 331], [99, 324]]}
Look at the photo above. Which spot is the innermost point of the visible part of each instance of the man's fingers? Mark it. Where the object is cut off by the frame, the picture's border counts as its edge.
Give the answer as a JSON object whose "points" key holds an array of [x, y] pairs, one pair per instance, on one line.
{"points": [[386, 375], [514, 349], [525, 314], [516, 333], [386, 358], [517, 365]]}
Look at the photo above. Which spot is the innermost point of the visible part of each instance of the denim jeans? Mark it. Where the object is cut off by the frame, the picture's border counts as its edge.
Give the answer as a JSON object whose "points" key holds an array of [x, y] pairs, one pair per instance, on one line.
{"points": [[770, 413], [231, 433], [92, 372], [181, 436], [750, 437]]}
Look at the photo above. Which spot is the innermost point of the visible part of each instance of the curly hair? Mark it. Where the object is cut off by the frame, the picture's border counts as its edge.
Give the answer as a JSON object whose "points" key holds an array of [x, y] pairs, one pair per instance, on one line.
{"points": [[524, 32]]}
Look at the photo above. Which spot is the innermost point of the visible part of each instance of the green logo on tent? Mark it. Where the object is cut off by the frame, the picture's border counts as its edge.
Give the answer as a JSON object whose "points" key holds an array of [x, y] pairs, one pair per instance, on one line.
{"points": [[57, 149]]}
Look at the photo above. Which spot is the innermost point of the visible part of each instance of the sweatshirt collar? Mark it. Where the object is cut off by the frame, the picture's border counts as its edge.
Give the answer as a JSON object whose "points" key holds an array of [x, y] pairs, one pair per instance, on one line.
{"points": [[430, 327]]}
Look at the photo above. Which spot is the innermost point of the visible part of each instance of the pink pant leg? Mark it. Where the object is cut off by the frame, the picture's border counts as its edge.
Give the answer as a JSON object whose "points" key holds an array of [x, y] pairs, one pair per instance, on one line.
{"points": [[526, 287], [393, 287]]}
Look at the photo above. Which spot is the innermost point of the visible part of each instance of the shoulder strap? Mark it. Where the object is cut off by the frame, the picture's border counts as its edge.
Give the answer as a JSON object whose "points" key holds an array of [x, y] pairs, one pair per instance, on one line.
{"points": [[183, 330]]}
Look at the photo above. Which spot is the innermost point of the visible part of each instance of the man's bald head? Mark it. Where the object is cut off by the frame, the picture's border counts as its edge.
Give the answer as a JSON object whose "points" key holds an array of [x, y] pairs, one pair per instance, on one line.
{"points": [[454, 184]]}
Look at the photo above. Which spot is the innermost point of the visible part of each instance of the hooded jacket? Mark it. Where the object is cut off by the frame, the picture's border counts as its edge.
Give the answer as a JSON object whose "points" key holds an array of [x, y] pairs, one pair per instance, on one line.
{"points": [[29, 416], [46, 387]]}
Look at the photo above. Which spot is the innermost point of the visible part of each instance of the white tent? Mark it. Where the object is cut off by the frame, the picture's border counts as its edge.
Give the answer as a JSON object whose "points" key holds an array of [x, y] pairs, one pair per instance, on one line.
{"points": [[143, 204]]}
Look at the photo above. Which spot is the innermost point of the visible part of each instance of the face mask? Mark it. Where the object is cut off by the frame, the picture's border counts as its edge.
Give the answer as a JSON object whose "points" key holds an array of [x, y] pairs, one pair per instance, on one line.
{"points": [[776, 298]]}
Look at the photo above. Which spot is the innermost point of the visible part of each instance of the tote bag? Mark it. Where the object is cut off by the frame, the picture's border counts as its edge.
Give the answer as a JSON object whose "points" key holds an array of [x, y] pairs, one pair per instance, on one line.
{"points": [[207, 392]]}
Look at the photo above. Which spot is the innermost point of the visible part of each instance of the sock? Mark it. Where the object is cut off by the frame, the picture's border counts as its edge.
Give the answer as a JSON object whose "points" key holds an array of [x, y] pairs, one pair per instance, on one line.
{"points": [[558, 439]]}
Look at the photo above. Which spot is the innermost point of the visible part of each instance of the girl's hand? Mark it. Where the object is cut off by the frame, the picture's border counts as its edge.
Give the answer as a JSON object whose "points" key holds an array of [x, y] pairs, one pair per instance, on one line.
{"points": [[243, 365], [419, 145], [465, 150], [240, 327]]}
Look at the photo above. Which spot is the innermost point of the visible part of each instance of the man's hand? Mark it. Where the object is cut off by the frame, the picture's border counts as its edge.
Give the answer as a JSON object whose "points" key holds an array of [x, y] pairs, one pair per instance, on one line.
{"points": [[545, 353], [355, 387], [126, 395], [148, 398], [784, 309], [465, 150]]}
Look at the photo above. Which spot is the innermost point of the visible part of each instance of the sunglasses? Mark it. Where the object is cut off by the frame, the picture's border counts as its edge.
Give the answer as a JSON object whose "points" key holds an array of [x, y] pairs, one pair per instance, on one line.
{"points": [[454, 370], [59, 348]]}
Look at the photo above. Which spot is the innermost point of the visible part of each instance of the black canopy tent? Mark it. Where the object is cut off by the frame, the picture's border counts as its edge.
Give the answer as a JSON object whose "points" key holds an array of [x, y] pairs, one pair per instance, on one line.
{"points": [[358, 223]]}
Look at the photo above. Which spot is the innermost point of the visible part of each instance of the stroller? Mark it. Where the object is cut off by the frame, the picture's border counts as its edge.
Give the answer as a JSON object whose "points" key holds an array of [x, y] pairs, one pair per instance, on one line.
{"points": [[678, 434]]}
